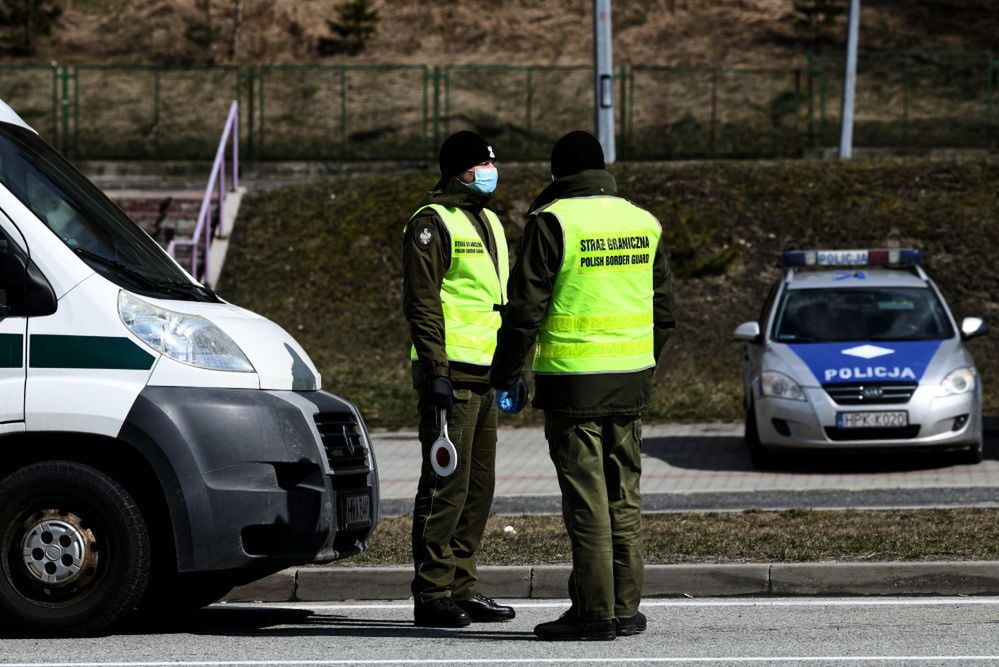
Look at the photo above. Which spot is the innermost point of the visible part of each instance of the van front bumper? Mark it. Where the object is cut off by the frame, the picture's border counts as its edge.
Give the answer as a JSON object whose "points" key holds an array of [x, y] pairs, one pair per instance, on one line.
{"points": [[951, 422], [258, 479]]}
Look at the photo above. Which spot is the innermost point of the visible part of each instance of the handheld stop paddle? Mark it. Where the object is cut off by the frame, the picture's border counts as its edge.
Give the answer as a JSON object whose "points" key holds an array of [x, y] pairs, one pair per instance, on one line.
{"points": [[443, 455]]}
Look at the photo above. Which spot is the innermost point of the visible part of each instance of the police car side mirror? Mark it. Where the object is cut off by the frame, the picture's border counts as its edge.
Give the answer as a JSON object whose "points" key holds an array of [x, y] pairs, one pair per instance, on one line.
{"points": [[973, 327], [749, 332]]}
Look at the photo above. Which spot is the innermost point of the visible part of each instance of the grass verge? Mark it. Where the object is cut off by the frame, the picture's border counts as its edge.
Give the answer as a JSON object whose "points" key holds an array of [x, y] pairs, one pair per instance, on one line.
{"points": [[736, 537]]}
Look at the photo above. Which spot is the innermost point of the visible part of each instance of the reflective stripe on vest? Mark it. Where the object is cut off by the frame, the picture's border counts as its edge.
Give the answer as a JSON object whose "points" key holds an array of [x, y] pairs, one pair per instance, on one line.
{"points": [[600, 318], [471, 288]]}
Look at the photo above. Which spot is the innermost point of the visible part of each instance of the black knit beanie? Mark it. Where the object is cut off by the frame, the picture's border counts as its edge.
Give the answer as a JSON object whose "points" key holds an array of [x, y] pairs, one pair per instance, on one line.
{"points": [[462, 151], [576, 152]]}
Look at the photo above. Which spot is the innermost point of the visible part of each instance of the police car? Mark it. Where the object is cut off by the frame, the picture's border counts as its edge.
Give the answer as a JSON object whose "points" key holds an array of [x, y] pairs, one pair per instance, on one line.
{"points": [[858, 349], [158, 445]]}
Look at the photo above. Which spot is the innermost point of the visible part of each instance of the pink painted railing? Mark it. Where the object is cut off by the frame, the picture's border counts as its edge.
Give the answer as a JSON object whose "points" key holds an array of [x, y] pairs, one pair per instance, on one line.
{"points": [[201, 239]]}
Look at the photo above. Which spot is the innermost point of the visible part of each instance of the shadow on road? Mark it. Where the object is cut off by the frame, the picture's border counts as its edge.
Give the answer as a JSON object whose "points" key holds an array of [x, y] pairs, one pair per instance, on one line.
{"points": [[729, 454], [299, 622]]}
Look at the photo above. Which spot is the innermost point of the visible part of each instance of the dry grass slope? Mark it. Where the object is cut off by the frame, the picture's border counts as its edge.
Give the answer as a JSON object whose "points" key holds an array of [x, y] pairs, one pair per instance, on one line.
{"points": [[689, 32]]}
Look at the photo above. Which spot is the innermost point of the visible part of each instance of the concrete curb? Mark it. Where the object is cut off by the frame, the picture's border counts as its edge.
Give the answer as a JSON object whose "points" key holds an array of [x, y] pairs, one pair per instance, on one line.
{"points": [[327, 584]]}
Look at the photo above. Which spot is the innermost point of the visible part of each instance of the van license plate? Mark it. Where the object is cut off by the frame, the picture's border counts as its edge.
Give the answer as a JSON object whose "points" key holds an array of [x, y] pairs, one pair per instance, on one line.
{"points": [[358, 509], [872, 419]]}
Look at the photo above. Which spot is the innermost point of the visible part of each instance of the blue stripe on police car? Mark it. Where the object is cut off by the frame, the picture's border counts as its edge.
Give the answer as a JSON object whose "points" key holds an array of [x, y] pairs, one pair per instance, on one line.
{"points": [[902, 361]]}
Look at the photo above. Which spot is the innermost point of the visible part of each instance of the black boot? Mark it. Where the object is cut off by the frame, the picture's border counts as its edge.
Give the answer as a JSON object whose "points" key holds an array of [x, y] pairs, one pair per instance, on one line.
{"points": [[569, 627], [631, 626], [439, 613], [485, 610]]}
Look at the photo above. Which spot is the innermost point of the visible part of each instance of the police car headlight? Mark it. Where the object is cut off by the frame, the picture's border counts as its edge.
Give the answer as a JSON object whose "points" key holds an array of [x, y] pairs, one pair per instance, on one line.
{"points": [[959, 381], [778, 385], [187, 338]]}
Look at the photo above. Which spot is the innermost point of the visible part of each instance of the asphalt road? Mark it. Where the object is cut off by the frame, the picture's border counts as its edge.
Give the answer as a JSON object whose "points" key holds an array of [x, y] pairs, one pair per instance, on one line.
{"points": [[882, 631]]}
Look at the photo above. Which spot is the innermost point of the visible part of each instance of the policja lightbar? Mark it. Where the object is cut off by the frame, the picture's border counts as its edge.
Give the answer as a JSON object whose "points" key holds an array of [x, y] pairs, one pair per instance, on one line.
{"points": [[879, 257]]}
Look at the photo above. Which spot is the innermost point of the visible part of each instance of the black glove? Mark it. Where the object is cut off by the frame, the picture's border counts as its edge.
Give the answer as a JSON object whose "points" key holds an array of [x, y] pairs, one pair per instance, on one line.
{"points": [[522, 395], [513, 399], [442, 393]]}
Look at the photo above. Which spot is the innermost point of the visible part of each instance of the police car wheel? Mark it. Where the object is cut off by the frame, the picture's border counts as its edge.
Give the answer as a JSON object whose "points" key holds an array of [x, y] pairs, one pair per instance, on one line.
{"points": [[974, 454], [74, 550], [761, 457]]}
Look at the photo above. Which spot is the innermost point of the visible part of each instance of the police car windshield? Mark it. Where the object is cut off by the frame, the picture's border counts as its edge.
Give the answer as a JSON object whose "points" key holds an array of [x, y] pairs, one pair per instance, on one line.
{"points": [[87, 221], [860, 314]]}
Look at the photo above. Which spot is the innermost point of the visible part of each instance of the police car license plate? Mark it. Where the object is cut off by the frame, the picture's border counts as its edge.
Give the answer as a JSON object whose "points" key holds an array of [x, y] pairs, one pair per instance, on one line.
{"points": [[886, 419], [357, 509]]}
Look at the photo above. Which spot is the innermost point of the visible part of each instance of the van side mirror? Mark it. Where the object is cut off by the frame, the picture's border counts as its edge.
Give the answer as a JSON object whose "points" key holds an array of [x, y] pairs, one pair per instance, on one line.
{"points": [[12, 280], [24, 290], [749, 332], [973, 327]]}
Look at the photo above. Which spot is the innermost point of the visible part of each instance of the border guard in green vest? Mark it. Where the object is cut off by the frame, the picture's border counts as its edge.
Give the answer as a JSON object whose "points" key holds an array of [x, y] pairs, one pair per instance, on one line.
{"points": [[455, 273], [592, 288]]}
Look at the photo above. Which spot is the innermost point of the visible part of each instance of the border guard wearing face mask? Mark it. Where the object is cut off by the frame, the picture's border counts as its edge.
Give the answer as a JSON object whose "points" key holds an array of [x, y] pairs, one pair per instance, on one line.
{"points": [[592, 286], [455, 273]]}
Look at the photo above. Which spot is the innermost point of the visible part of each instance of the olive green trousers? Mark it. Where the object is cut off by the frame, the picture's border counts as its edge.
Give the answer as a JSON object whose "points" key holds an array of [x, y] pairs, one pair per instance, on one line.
{"points": [[599, 468], [450, 512]]}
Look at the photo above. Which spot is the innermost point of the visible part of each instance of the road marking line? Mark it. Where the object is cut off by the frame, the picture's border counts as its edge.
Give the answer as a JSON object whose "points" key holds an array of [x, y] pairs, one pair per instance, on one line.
{"points": [[910, 602], [517, 661]]}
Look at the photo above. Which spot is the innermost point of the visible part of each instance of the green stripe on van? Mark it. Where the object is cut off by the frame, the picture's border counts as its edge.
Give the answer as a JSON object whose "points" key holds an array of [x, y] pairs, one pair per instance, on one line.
{"points": [[104, 352], [11, 350]]}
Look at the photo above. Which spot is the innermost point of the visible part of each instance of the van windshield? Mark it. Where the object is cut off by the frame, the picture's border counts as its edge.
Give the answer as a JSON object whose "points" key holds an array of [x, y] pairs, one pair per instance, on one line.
{"points": [[861, 314], [87, 221]]}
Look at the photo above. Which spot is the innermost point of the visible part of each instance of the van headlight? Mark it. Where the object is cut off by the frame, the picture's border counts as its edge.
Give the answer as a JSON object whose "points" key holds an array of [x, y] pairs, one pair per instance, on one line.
{"points": [[778, 385], [189, 339], [959, 381]]}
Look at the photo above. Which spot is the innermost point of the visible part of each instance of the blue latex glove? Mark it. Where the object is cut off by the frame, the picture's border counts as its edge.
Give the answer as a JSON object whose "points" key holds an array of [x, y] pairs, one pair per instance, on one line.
{"points": [[513, 399], [506, 400]]}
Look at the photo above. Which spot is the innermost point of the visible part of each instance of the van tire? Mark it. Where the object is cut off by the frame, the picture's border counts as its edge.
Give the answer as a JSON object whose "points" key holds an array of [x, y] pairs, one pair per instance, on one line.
{"points": [[173, 596], [92, 515]]}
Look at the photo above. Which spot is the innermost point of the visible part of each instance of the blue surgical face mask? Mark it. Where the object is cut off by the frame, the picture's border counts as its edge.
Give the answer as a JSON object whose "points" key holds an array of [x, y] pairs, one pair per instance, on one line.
{"points": [[485, 181]]}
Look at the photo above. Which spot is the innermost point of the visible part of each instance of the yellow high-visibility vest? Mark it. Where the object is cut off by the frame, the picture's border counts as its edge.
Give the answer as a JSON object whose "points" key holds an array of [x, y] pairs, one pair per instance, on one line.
{"points": [[599, 319], [472, 287]]}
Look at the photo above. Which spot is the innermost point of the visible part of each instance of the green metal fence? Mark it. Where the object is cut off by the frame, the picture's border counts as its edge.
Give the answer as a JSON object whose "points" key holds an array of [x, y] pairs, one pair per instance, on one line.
{"points": [[913, 99], [521, 109], [339, 112], [683, 112], [140, 111], [906, 100]]}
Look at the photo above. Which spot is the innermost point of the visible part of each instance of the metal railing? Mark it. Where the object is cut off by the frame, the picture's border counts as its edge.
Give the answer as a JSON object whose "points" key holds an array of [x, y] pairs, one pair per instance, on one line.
{"points": [[906, 100], [200, 241]]}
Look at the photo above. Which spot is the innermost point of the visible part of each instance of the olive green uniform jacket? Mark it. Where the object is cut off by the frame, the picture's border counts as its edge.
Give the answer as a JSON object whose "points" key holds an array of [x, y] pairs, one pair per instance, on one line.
{"points": [[424, 266], [580, 396]]}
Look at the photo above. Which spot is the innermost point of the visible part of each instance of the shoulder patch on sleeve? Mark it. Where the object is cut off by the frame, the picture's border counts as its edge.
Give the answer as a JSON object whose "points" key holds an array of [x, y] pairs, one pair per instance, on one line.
{"points": [[424, 234]]}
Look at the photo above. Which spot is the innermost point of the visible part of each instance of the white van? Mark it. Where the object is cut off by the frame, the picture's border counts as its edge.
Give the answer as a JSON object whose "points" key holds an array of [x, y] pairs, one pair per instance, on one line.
{"points": [[158, 445]]}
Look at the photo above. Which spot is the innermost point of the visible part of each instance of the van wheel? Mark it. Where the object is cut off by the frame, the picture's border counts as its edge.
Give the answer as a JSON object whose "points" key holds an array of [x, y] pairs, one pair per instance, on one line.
{"points": [[74, 549], [761, 457], [173, 596]]}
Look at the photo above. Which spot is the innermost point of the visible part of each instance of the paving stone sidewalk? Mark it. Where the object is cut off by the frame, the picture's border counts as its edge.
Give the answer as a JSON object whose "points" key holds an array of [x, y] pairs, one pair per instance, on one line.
{"points": [[710, 460]]}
